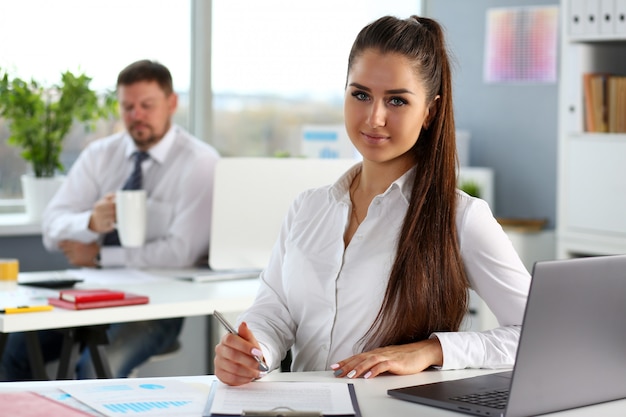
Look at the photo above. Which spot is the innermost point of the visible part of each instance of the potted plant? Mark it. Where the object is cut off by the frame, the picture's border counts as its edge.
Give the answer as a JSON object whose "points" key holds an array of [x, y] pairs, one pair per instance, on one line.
{"points": [[39, 119]]}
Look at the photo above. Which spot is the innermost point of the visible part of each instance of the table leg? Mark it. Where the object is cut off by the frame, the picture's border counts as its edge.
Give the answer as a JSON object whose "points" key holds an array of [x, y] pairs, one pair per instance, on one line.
{"points": [[96, 337], [93, 338], [35, 357], [3, 342], [69, 352], [100, 361]]}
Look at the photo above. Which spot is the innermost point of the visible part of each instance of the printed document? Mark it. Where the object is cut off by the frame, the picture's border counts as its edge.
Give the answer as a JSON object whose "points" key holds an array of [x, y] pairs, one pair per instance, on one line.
{"points": [[140, 397], [329, 398]]}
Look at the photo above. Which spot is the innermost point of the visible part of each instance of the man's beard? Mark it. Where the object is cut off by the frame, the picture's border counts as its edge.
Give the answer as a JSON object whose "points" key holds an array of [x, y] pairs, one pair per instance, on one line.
{"points": [[144, 141]]}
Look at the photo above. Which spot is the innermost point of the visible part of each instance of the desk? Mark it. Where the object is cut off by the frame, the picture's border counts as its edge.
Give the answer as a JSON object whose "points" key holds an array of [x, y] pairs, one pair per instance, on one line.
{"points": [[169, 298], [371, 394]]}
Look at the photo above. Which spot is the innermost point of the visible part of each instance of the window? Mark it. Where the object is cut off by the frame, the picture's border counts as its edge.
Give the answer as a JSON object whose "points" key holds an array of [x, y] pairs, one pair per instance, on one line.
{"points": [[98, 37], [278, 65]]}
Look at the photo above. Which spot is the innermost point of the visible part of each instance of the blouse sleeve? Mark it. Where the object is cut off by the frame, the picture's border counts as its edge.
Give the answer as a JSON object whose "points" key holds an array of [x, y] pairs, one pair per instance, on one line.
{"points": [[497, 274]]}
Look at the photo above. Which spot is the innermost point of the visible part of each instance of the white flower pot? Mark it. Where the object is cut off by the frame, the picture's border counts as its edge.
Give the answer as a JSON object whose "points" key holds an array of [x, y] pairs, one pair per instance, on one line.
{"points": [[37, 194]]}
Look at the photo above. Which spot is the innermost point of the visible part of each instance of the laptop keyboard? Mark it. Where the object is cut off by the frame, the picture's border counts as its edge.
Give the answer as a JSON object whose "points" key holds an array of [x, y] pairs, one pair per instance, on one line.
{"points": [[494, 399]]}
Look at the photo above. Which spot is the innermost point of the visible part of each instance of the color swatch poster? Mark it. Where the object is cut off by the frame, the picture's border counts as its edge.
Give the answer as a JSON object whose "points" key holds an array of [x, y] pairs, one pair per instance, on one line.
{"points": [[521, 45]]}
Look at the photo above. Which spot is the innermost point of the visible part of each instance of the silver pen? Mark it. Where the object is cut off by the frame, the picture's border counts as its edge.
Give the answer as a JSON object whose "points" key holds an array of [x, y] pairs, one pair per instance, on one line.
{"points": [[262, 365]]}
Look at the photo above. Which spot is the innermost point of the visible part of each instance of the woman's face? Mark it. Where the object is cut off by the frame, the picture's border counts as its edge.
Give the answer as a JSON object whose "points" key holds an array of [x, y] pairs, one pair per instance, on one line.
{"points": [[385, 106]]}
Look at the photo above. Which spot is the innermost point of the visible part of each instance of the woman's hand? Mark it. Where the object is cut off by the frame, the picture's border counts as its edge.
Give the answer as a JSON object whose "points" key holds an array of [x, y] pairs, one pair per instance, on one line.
{"points": [[398, 359], [234, 357]]}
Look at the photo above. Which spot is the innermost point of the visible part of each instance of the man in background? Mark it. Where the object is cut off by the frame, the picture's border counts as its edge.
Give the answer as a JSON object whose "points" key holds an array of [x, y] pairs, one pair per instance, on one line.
{"points": [[176, 170]]}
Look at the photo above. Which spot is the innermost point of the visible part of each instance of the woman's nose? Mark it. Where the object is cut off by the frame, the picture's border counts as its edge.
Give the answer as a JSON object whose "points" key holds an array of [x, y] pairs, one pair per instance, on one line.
{"points": [[377, 116]]}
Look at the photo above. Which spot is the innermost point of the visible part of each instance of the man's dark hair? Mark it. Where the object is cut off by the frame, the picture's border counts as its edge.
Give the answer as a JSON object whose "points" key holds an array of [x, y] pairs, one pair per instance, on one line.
{"points": [[146, 70]]}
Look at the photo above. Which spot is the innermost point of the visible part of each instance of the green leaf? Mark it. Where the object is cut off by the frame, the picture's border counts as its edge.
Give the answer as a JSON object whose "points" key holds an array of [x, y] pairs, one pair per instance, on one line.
{"points": [[40, 118]]}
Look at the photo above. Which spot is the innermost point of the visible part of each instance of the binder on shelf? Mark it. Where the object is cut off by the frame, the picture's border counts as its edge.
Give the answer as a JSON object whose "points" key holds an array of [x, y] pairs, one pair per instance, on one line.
{"points": [[596, 101], [576, 15], [620, 17], [607, 17], [588, 103], [616, 92], [591, 20], [604, 102], [84, 295], [129, 299]]}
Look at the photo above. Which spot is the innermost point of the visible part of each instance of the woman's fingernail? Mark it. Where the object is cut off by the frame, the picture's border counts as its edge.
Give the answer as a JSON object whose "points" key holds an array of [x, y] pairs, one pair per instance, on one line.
{"points": [[367, 375], [338, 372], [256, 352], [351, 374], [334, 366]]}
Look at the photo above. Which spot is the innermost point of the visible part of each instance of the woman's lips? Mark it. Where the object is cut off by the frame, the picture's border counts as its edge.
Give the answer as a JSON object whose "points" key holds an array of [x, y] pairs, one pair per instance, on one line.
{"points": [[374, 138]]}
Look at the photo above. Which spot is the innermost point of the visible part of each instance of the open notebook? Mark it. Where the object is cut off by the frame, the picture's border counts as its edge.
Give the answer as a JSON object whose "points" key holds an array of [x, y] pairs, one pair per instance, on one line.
{"points": [[250, 200]]}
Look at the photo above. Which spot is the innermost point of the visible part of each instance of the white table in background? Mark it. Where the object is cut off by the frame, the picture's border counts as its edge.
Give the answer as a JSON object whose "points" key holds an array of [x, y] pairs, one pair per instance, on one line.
{"points": [[169, 298]]}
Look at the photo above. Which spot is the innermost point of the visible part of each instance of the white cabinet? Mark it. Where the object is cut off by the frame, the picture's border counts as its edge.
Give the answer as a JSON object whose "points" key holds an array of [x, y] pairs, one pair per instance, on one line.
{"points": [[591, 204]]}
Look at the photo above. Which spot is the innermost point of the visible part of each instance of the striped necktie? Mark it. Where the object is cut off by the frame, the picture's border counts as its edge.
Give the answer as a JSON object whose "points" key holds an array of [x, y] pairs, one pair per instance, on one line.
{"points": [[134, 182]]}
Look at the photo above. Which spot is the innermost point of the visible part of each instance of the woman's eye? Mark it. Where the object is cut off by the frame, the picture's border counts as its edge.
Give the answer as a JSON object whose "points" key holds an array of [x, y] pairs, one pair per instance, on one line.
{"points": [[359, 95], [397, 101]]}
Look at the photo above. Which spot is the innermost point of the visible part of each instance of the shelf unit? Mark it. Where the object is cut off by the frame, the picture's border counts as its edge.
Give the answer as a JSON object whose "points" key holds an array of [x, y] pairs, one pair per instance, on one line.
{"points": [[591, 202]]}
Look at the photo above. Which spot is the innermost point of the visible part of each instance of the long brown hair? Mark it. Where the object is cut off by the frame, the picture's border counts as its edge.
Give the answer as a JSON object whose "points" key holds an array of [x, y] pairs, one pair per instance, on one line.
{"points": [[427, 288]]}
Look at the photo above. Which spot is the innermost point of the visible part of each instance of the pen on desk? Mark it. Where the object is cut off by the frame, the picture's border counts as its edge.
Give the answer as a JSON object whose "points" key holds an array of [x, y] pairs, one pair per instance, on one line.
{"points": [[262, 365], [26, 309]]}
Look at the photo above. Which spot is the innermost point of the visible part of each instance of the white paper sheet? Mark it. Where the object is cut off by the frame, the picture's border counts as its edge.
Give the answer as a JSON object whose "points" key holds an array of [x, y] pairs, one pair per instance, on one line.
{"points": [[59, 395], [141, 397], [328, 398], [20, 296], [109, 276]]}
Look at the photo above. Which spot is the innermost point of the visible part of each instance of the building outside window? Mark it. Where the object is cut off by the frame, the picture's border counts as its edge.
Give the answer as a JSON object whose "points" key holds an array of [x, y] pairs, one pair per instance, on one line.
{"points": [[280, 65]]}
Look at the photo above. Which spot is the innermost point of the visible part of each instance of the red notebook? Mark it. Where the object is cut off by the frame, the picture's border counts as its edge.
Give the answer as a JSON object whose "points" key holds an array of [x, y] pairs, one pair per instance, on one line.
{"points": [[80, 296], [129, 299]]}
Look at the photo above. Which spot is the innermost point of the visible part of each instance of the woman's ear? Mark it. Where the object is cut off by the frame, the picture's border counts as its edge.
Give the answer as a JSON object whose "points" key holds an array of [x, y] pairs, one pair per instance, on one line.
{"points": [[431, 112]]}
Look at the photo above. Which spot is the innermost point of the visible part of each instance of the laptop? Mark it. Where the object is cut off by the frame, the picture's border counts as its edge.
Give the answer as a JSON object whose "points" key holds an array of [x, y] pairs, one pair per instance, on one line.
{"points": [[571, 353], [251, 197]]}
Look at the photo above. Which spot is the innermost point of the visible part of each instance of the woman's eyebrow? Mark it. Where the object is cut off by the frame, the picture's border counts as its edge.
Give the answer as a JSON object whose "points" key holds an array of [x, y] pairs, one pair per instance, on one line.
{"points": [[394, 91]]}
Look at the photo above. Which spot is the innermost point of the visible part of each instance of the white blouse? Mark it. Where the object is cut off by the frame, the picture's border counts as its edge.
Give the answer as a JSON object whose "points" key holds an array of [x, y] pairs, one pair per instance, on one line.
{"points": [[319, 298]]}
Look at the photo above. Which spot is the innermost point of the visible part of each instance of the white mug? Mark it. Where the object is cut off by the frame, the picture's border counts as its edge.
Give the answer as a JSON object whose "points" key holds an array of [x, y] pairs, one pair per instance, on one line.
{"points": [[130, 210]]}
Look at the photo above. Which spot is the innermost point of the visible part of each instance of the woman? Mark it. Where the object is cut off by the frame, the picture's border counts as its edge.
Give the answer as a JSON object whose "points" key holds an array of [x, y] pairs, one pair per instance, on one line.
{"points": [[371, 274]]}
